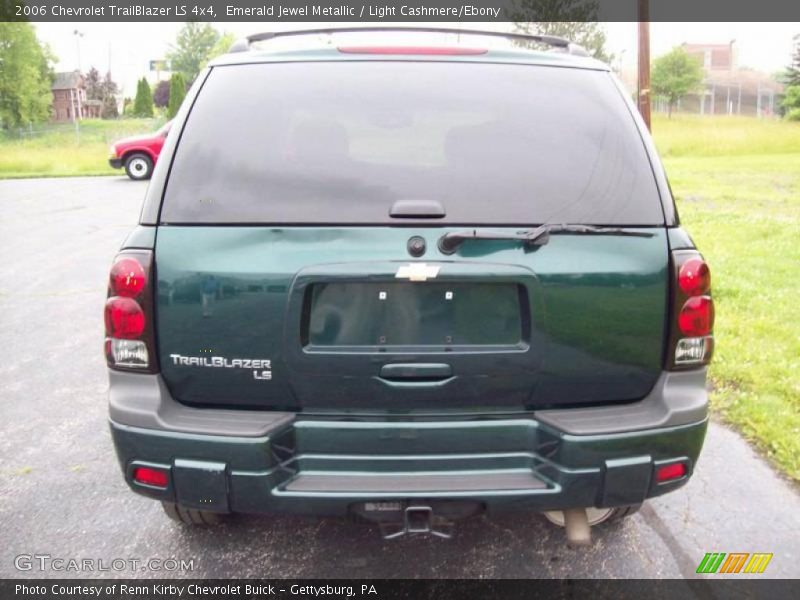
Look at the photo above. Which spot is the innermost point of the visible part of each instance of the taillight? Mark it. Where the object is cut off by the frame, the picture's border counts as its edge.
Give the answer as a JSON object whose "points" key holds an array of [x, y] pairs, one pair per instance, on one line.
{"points": [[129, 313], [127, 277], [692, 343], [697, 316], [694, 278], [124, 318]]}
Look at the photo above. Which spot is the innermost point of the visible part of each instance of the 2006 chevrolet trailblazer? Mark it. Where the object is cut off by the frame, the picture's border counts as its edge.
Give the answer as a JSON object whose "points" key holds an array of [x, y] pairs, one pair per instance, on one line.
{"points": [[411, 284]]}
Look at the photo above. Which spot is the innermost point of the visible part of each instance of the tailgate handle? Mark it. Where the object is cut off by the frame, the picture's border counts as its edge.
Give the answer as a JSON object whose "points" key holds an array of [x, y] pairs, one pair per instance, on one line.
{"points": [[416, 372], [417, 209]]}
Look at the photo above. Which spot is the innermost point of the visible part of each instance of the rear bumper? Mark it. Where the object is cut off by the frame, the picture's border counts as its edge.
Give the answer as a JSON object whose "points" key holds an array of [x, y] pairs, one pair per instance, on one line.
{"points": [[115, 162], [259, 462], [514, 464]]}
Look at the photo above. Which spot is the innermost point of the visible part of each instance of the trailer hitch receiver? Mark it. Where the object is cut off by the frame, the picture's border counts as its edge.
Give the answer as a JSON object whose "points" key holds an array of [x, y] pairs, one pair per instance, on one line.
{"points": [[418, 519]]}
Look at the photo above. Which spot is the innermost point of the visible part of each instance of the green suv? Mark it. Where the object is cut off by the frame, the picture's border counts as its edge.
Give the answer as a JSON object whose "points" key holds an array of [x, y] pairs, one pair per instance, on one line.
{"points": [[408, 283]]}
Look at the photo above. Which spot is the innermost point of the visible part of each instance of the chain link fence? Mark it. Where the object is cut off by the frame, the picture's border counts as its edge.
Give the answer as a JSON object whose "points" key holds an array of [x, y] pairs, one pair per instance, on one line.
{"points": [[82, 131], [728, 99]]}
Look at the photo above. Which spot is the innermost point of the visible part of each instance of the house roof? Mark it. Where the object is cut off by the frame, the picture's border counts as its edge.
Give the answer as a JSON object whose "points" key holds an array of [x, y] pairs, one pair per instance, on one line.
{"points": [[67, 80]]}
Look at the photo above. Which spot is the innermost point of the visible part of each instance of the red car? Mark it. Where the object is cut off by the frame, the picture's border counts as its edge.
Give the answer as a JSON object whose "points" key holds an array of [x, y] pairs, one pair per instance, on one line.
{"points": [[139, 153]]}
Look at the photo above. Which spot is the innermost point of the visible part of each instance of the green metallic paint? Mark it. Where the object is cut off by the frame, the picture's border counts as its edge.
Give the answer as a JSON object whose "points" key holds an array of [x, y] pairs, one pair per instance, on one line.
{"points": [[592, 314]]}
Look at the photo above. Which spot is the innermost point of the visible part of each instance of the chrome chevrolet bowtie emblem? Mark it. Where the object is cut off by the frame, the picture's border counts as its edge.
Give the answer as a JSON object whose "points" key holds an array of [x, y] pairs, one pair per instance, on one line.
{"points": [[417, 272]]}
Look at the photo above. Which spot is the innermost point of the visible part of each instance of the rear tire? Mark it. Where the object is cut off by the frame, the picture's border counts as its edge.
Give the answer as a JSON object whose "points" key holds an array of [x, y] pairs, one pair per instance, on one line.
{"points": [[192, 516], [623, 512], [597, 516], [138, 166]]}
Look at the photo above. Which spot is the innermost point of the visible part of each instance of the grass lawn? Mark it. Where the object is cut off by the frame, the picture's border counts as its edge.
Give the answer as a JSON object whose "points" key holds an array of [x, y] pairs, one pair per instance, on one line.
{"points": [[737, 185], [55, 150]]}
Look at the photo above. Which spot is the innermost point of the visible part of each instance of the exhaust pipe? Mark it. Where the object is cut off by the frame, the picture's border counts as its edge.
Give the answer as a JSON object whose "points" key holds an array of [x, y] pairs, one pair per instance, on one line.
{"points": [[576, 524]]}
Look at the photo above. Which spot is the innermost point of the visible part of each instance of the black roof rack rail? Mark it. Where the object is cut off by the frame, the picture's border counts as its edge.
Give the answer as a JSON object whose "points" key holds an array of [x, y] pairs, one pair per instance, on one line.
{"points": [[549, 40]]}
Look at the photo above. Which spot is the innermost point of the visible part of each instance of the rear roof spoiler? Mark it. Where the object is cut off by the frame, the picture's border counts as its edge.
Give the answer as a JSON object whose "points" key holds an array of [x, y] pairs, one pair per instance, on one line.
{"points": [[560, 43]]}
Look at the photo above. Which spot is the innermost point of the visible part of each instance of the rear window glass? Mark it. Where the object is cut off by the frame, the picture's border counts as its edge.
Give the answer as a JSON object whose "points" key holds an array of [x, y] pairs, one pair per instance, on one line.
{"points": [[342, 142]]}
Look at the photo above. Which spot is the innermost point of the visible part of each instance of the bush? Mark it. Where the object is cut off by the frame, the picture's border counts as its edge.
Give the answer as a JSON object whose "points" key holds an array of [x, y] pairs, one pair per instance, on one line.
{"points": [[161, 94], [109, 110], [177, 92], [143, 103], [791, 103]]}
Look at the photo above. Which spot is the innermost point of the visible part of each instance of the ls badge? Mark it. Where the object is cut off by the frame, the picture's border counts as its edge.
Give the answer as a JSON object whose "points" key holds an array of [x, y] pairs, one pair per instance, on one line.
{"points": [[417, 272]]}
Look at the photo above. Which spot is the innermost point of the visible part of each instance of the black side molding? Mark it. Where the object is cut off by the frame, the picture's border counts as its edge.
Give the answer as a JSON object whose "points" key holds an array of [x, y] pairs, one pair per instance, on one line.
{"points": [[417, 209]]}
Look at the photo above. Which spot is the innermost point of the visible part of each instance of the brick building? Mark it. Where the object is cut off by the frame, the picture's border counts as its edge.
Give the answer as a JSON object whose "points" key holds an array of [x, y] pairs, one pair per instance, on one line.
{"points": [[729, 88], [713, 57], [69, 98]]}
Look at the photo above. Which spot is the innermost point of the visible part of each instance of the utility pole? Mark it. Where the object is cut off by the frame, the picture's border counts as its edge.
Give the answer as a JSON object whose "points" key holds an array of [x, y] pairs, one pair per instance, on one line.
{"points": [[643, 87], [78, 35]]}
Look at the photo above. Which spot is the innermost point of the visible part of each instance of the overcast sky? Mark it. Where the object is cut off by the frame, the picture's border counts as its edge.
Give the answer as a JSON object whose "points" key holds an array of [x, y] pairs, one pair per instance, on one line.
{"points": [[128, 47]]}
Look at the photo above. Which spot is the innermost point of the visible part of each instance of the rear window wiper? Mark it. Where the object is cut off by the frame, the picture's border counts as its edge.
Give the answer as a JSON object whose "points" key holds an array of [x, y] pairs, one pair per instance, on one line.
{"points": [[531, 238]]}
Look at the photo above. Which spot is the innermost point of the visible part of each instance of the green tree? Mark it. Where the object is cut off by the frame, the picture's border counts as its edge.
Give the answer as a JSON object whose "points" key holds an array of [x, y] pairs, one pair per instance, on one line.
{"points": [[109, 109], [137, 100], [109, 86], [674, 75], [192, 49], [147, 102], [791, 102], [792, 76], [143, 103], [94, 85], [222, 46], [25, 76], [177, 91], [109, 90], [574, 20]]}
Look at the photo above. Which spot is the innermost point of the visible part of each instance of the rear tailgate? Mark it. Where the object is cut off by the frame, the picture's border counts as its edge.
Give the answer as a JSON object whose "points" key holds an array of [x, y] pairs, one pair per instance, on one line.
{"points": [[289, 326], [284, 275]]}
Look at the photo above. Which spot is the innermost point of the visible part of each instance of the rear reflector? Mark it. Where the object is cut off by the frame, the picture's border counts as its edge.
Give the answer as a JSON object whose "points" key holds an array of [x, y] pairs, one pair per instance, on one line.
{"points": [[124, 318], [150, 476], [670, 472], [430, 50], [696, 318]]}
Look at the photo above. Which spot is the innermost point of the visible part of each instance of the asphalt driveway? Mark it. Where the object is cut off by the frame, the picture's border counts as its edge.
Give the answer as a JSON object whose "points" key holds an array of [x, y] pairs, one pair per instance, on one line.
{"points": [[62, 495]]}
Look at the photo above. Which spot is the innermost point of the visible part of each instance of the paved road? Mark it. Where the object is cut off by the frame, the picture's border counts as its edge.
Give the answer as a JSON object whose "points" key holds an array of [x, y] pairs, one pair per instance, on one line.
{"points": [[61, 492]]}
